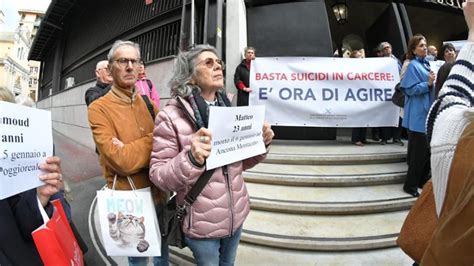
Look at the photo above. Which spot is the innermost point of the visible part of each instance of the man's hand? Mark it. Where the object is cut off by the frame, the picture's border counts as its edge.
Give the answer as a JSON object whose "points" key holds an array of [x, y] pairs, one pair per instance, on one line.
{"points": [[117, 142]]}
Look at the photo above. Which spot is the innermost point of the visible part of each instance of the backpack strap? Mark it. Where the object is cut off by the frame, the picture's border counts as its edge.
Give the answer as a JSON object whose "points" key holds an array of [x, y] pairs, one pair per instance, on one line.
{"points": [[150, 85], [149, 106]]}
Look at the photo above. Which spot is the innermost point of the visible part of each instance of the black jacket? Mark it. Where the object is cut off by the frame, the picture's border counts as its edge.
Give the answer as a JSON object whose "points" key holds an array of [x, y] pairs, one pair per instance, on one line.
{"points": [[242, 73], [19, 216], [94, 93]]}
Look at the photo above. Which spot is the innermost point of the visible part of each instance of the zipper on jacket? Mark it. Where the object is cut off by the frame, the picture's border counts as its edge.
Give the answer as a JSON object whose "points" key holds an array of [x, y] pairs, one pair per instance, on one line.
{"points": [[231, 205]]}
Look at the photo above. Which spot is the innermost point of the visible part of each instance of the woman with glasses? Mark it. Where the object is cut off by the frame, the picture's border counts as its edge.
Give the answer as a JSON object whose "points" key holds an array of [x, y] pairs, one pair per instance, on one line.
{"points": [[181, 144], [146, 86]]}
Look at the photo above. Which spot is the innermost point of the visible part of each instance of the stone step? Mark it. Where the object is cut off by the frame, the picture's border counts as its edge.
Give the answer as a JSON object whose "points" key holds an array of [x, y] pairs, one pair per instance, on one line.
{"points": [[323, 232], [327, 175], [330, 152], [250, 254], [333, 200]]}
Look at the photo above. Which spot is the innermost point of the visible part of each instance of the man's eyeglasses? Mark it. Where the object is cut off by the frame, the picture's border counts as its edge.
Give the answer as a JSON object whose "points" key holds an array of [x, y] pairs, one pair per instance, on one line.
{"points": [[124, 62], [210, 62]]}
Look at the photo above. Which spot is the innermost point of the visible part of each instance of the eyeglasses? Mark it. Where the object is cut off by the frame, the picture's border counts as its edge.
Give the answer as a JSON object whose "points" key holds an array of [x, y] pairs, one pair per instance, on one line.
{"points": [[124, 62], [210, 63]]}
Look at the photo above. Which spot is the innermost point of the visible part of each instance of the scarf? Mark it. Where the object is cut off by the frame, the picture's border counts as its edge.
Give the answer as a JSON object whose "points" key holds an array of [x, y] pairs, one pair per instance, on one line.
{"points": [[201, 108]]}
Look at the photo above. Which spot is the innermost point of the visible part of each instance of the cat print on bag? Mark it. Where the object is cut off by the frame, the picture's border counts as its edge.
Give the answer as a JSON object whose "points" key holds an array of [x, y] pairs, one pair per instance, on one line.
{"points": [[128, 230]]}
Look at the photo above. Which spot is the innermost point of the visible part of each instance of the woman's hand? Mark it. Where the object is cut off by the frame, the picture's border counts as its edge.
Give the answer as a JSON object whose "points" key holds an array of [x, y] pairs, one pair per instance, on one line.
{"points": [[53, 179], [201, 145], [117, 142], [468, 8], [431, 78], [267, 133]]}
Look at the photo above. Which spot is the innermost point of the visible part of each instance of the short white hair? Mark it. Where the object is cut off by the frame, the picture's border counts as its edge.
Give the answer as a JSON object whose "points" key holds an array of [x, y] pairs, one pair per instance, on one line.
{"points": [[101, 64]]}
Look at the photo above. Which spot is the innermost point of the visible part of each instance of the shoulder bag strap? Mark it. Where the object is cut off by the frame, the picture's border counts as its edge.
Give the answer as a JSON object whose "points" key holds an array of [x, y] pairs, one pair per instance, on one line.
{"points": [[150, 86], [149, 106], [198, 187]]}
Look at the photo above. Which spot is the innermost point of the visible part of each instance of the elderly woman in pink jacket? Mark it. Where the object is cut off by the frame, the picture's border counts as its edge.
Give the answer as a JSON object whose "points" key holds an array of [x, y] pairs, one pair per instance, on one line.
{"points": [[181, 144]]}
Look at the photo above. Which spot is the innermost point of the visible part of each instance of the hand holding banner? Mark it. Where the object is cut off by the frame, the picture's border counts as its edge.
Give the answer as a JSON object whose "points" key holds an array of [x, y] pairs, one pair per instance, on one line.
{"points": [[236, 134]]}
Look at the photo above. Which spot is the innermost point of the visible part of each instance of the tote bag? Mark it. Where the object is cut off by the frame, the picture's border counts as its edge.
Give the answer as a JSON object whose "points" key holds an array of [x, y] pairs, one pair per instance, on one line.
{"points": [[55, 240], [128, 222], [419, 225]]}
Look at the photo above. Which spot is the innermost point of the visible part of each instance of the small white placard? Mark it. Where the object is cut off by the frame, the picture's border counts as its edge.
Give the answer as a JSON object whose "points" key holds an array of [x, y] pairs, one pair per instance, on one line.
{"points": [[436, 65], [236, 134], [26, 140]]}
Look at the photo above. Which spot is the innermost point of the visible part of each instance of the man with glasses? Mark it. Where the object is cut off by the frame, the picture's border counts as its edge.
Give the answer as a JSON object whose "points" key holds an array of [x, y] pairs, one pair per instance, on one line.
{"points": [[122, 128], [104, 79]]}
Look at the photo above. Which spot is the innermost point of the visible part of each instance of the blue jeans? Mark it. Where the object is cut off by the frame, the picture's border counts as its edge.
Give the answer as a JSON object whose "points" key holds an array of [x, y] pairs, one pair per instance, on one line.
{"points": [[210, 252]]}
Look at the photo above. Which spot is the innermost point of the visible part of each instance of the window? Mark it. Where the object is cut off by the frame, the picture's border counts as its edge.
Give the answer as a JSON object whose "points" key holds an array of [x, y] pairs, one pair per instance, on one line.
{"points": [[30, 82]]}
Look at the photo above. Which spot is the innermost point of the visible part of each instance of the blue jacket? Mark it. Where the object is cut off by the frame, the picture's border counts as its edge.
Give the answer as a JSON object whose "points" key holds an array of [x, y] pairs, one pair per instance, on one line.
{"points": [[418, 96]]}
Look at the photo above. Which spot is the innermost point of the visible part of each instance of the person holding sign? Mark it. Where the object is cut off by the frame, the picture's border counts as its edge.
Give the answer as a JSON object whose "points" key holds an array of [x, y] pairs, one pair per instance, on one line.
{"points": [[417, 85], [181, 145]]}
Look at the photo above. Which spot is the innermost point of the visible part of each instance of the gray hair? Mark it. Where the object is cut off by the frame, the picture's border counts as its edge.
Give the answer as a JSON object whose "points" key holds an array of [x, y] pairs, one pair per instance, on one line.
{"points": [[117, 44], [6, 95], [101, 64], [185, 69], [246, 49], [382, 44]]}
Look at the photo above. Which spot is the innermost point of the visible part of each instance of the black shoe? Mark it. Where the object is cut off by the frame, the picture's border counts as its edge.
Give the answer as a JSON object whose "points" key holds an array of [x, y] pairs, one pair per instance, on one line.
{"points": [[383, 142], [414, 194], [398, 142]]}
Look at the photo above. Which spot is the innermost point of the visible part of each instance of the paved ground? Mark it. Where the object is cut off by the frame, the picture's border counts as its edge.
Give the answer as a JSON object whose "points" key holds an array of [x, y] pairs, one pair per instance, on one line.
{"points": [[82, 172]]}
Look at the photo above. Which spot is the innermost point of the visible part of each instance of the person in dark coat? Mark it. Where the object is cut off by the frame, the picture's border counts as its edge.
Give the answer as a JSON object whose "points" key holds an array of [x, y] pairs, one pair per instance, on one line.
{"points": [[104, 79], [242, 75]]}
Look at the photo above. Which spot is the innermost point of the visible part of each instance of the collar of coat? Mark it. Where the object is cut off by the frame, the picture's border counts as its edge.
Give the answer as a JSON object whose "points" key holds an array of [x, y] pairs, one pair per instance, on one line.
{"points": [[124, 95]]}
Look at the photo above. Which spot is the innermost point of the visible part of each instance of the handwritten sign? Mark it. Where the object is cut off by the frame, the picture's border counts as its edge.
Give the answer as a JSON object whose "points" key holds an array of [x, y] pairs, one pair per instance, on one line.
{"points": [[236, 134], [26, 141]]}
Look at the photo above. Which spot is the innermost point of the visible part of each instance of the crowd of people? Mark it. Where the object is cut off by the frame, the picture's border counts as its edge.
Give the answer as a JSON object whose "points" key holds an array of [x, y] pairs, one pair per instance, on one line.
{"points": [[141, 146]]}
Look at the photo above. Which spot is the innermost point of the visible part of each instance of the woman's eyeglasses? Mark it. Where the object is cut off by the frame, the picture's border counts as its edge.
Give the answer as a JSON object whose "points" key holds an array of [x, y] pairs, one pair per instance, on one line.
{"points": [[210, 63], [124, 62]]}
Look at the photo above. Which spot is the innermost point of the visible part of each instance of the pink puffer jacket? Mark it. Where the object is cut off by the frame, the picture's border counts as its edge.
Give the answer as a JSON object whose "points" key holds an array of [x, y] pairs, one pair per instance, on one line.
{"points": [[223, 204]]}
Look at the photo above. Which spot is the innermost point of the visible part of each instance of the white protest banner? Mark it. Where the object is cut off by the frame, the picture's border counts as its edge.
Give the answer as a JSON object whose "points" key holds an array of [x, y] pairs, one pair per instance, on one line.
{"points": [[325, 92], [236, 134], [27, 140]]}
